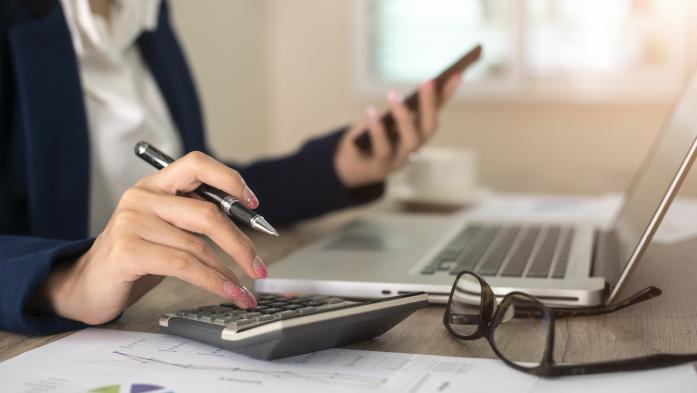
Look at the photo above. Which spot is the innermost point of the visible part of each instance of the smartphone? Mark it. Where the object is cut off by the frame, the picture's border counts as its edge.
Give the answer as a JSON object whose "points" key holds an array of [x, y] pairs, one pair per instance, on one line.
{"points": [[363, 141]]}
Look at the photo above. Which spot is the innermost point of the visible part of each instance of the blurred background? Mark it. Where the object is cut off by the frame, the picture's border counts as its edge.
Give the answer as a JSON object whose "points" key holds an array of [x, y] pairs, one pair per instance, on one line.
{"points": [[568, 97]]}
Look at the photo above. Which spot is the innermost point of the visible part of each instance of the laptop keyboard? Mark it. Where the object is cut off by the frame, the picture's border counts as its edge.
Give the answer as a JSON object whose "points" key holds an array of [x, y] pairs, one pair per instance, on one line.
{"points": [[509, 251]]}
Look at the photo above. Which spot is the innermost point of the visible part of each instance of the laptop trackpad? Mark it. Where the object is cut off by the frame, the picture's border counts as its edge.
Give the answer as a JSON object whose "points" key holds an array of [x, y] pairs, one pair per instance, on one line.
{"points": [[364, 236]]}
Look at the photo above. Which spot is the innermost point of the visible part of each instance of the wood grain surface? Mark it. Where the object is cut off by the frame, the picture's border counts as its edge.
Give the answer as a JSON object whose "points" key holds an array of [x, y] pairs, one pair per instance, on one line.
{"points": [[667, 324]]}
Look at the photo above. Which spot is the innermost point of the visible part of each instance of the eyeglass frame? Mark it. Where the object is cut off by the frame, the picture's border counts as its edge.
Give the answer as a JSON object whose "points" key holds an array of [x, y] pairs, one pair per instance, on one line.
{"points": [[490, 313]]}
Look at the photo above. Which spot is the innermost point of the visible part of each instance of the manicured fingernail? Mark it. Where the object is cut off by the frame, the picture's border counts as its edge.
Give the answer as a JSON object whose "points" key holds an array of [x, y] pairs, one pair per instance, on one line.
{"points": [[259, 268], [372, 113], [250, 200], [393, 97], [430, 83], [249, 300], [239, 294]]}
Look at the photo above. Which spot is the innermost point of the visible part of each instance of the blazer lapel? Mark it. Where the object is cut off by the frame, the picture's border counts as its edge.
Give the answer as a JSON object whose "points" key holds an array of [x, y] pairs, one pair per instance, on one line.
{"points": [[52, 115]]}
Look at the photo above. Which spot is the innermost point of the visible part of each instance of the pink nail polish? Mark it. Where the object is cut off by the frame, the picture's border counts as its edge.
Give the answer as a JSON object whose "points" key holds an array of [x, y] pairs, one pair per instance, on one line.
{"points": [[372, 113], [232, 290], [259, 268], [250, 200], [430, 83], [249, 300], [393, 97], [239, 294]]}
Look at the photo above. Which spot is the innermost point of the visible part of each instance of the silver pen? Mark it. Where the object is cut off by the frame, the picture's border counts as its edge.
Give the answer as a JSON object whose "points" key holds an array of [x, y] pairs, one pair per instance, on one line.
{"points": [[230, 205]]}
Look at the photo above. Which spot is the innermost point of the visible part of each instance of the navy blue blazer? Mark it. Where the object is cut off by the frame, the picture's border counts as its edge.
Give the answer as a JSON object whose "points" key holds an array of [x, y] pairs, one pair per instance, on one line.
{"points": [[44, 154]]}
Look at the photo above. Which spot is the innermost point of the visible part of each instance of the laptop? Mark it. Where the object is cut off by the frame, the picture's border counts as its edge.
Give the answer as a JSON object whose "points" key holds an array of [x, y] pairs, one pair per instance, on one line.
{"points": [[563, 264]]}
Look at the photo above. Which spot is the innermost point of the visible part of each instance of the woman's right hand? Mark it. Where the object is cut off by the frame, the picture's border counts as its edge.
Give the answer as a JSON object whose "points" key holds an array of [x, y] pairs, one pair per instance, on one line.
{"points": [[152, 234]]}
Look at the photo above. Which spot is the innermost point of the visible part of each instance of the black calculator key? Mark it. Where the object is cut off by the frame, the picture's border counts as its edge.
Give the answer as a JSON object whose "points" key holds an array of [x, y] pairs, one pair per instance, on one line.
{"points": [[241, 322], [315, 303], [264, 318], [288, 314], [272, 310], [308, 310], [292, 306]]}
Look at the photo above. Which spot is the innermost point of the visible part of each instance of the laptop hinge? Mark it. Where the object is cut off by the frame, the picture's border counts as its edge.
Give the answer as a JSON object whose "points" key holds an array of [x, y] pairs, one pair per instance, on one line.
{"points": [[606, 257]]}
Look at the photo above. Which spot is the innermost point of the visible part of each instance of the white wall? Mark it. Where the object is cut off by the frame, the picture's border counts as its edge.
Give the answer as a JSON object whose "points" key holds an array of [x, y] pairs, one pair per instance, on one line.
{"points": [[275, 72], [226, 46]]}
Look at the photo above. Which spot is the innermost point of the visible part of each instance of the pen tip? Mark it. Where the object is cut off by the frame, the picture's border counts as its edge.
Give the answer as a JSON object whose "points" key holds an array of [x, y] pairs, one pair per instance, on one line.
{"points": [[262, 225]]}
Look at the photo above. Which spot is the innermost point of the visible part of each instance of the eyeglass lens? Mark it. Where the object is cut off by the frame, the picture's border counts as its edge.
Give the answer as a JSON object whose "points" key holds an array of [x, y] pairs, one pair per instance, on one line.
{"points": [[465, 306], [520, 330]]}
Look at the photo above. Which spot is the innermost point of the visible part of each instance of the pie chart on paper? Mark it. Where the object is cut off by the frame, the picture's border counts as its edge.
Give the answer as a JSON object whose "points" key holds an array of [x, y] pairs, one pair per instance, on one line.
{"points": [[134, 388]]}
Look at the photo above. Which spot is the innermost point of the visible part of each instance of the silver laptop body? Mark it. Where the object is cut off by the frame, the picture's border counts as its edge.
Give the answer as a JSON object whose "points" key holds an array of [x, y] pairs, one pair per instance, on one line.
{"points": [[565, 264]]}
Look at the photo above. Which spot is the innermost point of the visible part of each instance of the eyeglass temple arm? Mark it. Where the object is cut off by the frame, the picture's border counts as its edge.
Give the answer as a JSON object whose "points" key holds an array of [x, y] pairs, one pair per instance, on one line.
{"points": [[634, 364], [643, 295]]}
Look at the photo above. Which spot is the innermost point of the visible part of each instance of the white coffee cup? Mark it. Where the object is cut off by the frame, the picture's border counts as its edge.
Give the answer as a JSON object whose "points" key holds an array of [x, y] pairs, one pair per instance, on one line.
{"points": [[440, 175]]}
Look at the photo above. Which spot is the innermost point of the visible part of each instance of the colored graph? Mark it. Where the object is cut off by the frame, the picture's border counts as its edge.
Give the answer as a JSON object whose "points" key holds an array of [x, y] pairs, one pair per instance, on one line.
{"points": [[134, 388]]}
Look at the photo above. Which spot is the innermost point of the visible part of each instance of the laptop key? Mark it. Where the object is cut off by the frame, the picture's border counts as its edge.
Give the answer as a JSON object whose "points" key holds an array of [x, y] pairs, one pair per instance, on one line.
{"points": [[542, 261], [428, 270], [519, 259], [445, 265], [563, 258], [496, 258], [473, 253]]}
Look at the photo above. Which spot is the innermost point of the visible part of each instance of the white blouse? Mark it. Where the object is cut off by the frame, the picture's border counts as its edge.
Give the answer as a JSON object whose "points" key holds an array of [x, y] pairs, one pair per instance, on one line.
{"points": [[123, 102]]}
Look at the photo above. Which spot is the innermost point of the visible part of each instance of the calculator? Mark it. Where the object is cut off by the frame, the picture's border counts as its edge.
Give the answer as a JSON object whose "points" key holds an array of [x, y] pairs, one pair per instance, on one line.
{"points": [[282, 326]]}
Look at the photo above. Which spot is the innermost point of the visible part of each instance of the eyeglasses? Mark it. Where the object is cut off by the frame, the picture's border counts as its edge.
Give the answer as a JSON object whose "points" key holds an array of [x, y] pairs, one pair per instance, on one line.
{"points": [[472, 313]]}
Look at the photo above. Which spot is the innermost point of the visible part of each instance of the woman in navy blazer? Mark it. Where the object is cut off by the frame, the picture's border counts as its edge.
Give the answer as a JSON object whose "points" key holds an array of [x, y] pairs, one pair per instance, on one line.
{"points": [[53, 276]]}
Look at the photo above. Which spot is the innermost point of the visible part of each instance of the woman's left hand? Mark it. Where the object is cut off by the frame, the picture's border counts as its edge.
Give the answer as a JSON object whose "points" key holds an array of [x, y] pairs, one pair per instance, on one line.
{"points": [[355, 168]]}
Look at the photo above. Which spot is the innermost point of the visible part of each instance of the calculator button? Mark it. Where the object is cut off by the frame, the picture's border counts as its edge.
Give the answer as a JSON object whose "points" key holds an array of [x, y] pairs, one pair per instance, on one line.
{"points": [[272, 310], [334, 300], [292, 306], [235, 312], [307, 310], [288, 314], [252, 314], [264, 318], [241, 322], [316, 303]]}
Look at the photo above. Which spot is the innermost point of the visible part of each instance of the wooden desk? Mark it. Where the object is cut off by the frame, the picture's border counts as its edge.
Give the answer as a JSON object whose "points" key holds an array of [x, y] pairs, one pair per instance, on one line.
{"points": [[665, 324]]}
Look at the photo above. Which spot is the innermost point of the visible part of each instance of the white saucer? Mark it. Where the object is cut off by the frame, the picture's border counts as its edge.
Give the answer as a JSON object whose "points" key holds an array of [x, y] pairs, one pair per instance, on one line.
{"points": [[451, 198]]}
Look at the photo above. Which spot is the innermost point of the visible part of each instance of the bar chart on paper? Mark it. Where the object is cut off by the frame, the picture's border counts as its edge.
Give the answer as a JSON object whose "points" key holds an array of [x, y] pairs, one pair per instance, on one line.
{"points": [[111, 361], [134, 388]]}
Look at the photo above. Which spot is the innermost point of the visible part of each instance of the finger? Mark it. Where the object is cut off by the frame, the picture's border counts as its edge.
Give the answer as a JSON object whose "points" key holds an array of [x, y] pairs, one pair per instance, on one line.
{"points": [[378, 135], [449, 88], [156, 230], [408, 136], [195, 168], [200, 217], [427, 109], [161, 260]]}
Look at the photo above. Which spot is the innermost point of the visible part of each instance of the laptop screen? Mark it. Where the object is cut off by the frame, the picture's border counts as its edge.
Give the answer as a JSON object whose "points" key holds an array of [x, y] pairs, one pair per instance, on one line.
{"points": [[658, 180]]}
